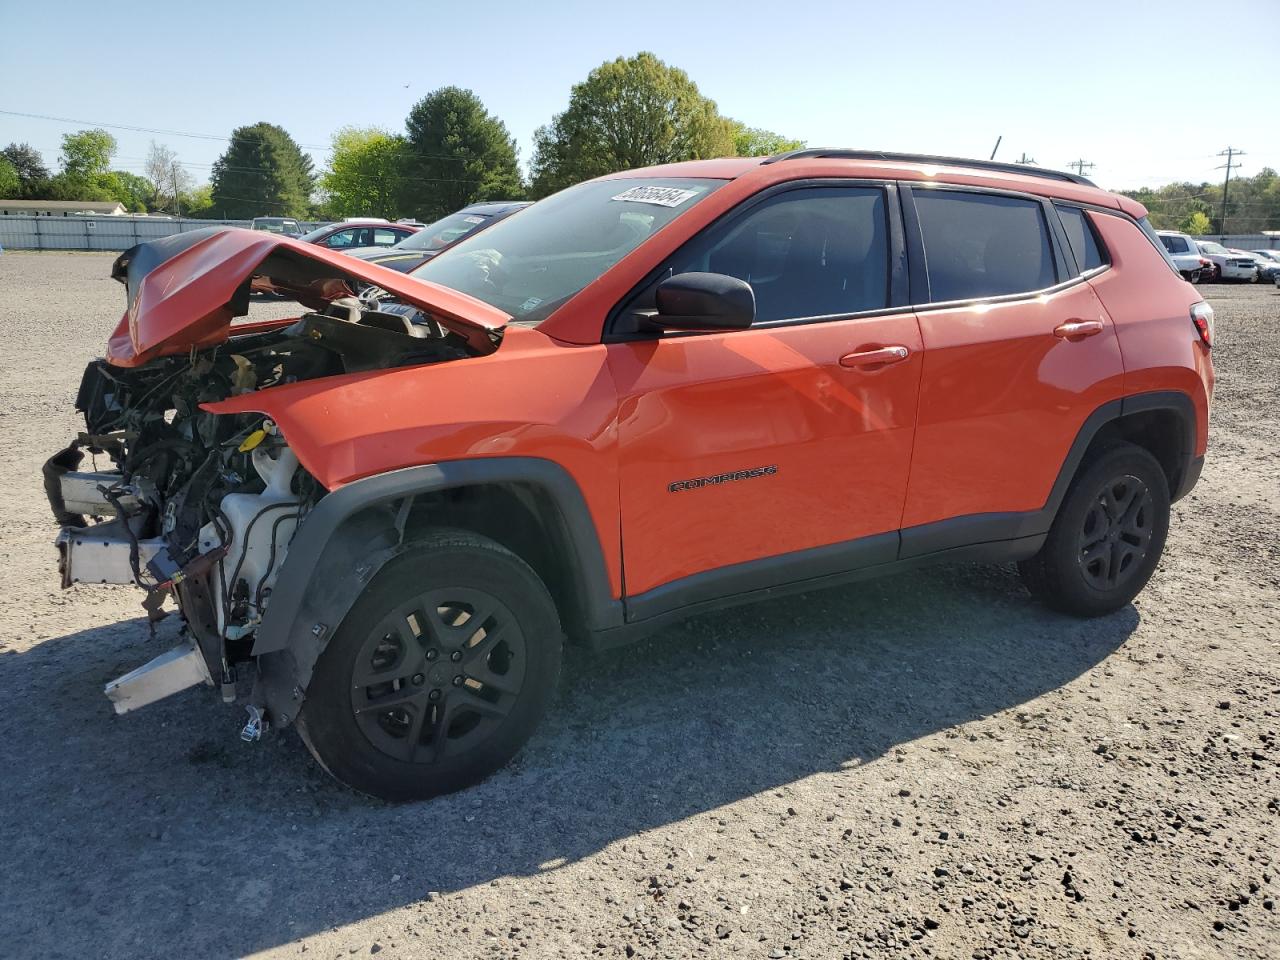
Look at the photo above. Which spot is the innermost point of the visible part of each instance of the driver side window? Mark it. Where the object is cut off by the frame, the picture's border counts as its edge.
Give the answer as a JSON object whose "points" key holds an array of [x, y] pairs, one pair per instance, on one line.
{"points": [[811, 252]]}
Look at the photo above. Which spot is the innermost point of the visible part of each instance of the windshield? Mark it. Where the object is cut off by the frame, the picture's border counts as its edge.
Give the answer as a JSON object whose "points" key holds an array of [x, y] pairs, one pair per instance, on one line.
{"points": [[443, 232], [528, 265], [1213, 248]]}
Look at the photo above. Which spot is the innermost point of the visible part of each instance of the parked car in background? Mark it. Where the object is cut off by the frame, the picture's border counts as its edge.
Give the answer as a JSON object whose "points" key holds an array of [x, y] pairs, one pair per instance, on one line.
{"points": [[1268, 266], [350, 235], [1228, 265], [1186, 256], [650, 395], [286, 226], [434, 239]]}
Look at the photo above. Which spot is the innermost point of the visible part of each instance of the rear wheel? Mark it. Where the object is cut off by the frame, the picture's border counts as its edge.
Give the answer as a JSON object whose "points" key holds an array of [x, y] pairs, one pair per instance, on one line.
{"points": [[439, 673], [1107, 537]]}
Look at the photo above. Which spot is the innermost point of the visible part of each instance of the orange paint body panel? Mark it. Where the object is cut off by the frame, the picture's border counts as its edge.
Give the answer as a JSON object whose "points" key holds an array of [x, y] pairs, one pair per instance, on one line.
{"points": [[1002, 399], [533, 398], [836, 440], [1162, 350]]}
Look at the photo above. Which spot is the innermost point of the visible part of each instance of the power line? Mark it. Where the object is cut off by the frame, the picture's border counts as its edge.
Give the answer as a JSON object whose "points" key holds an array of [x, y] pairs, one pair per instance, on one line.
{"points": [[405, 148], [1230, 153], [1080, 166]]}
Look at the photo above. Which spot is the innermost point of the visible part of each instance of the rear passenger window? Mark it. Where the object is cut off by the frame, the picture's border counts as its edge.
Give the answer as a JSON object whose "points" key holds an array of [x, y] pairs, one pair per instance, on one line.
{"points": [[1080, 235], [814, 252], [981, 245]]}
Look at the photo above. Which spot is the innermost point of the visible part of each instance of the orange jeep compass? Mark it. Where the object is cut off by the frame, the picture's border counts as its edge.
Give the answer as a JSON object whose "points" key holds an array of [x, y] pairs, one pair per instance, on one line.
{"points": [[649, 395]]}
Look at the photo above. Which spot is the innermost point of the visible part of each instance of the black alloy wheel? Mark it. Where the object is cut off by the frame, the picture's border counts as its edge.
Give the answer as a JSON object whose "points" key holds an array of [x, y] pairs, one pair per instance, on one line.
{"points": [[1107, 536], [438, 674], [1116, 532]]}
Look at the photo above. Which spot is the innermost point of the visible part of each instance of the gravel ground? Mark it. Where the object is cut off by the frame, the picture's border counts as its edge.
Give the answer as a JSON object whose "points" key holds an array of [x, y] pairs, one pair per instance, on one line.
{"points": [[930, 765]]}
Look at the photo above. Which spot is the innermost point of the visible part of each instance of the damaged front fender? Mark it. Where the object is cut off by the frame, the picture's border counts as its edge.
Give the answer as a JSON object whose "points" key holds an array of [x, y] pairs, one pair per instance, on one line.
{"points": [[354, 531]]}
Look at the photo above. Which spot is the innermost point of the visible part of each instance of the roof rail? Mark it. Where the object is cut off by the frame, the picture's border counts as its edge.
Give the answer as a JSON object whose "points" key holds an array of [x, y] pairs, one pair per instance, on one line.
{"points": [[1025, 170]]}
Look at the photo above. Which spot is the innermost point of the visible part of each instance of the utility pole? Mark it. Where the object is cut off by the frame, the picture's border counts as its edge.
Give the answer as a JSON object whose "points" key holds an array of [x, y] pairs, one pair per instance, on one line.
{"points": [[1230, 153], [177, 205], [1025, 158], [1080, 166]]}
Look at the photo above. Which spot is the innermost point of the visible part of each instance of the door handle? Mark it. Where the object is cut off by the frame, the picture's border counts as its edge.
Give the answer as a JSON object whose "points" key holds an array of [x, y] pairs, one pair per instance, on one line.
{"points": [[1077, 329], [880, 357]]}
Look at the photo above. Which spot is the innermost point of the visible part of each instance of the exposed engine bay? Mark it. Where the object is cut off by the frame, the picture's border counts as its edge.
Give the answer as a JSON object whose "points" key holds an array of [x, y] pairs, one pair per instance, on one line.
{"points": [[201, 508]]}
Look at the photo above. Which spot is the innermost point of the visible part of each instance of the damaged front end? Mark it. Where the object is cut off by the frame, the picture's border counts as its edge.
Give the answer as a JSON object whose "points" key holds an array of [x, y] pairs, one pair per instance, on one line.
{"points": [[196, 507]]}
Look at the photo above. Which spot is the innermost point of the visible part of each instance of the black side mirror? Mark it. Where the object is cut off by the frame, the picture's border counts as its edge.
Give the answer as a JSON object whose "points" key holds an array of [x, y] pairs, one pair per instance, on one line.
{"points": [[704, 301]]}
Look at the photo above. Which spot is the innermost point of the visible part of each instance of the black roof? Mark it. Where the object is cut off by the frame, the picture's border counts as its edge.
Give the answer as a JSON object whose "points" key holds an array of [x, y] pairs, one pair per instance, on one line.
{"points": [[1025, 170]]}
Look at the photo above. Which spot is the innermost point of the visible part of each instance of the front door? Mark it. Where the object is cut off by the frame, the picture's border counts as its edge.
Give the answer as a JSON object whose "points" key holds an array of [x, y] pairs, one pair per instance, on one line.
{"points": [[793, 435]]}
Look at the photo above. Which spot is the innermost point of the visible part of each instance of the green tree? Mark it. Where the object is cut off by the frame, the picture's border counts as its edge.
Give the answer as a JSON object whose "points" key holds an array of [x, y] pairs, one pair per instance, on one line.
{"points": [[755, 142], [263, 172], [133, 191], [33, 175], [629, 112], [87, 153], [455, 153], [10, 182], [198, 203], [363, 178], [86, 161], [1197, 224]]}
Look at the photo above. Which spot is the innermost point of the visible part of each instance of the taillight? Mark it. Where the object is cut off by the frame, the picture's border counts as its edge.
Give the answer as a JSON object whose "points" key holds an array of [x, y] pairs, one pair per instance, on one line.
{"points": [[1202, 317]]}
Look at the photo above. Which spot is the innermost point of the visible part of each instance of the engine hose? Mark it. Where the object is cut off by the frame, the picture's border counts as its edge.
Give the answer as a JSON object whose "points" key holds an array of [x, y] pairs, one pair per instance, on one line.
{"points": [[271, 564], [235, 574]]}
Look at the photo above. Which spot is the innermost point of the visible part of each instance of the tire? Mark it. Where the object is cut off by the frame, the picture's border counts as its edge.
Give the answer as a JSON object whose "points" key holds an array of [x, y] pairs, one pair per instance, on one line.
{"points": [[1115, 515], [412, 698]]}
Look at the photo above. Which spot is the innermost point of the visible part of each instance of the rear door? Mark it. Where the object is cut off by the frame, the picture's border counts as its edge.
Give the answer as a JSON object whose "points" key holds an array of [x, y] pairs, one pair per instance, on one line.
{"points": [[1018, 352], [742, 445]]}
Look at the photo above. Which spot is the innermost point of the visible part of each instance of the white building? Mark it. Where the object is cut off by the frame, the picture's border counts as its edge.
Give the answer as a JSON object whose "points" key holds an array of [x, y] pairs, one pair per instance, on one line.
{"points": [[60, 208]]}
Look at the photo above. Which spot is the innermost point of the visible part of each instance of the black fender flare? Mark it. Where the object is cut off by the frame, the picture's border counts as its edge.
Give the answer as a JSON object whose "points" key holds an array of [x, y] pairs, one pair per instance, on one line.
{"points": [[1174, 400], [355, 530]]}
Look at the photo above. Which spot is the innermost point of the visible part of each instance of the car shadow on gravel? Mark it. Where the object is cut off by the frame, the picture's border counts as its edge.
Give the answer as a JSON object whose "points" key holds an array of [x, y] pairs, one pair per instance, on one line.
{"points": [[126, 836]]}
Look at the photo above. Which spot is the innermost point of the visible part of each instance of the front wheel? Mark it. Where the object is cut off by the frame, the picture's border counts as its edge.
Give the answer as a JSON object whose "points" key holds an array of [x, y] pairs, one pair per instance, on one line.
{"points": [[1107, 538], [438, 674]]}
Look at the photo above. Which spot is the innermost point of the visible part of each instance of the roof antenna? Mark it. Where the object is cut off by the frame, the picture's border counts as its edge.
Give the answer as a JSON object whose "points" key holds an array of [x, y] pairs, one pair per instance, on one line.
{"points": [[997, 146]]}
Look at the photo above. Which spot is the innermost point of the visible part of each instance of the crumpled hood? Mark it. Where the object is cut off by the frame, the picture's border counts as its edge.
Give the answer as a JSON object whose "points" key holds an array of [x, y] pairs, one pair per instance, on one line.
{"points": [[184, 290]]}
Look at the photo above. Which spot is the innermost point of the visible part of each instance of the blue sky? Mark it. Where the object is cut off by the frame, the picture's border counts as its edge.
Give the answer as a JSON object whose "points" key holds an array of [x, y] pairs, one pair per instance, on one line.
{"points": [[1104, 81]]}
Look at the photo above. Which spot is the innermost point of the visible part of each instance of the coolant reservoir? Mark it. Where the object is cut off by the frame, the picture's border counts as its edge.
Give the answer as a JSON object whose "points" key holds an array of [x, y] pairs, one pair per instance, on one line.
{"points": [[262, 524]]}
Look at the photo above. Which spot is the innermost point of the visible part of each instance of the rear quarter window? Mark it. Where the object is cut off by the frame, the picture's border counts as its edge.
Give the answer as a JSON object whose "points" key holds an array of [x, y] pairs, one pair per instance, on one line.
{"points": [[1084, 242], [982, 245]]}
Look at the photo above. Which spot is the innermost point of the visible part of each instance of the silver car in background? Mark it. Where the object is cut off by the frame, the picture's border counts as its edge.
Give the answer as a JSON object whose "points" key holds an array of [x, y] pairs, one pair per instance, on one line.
{"points": [[1230, 266]]}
